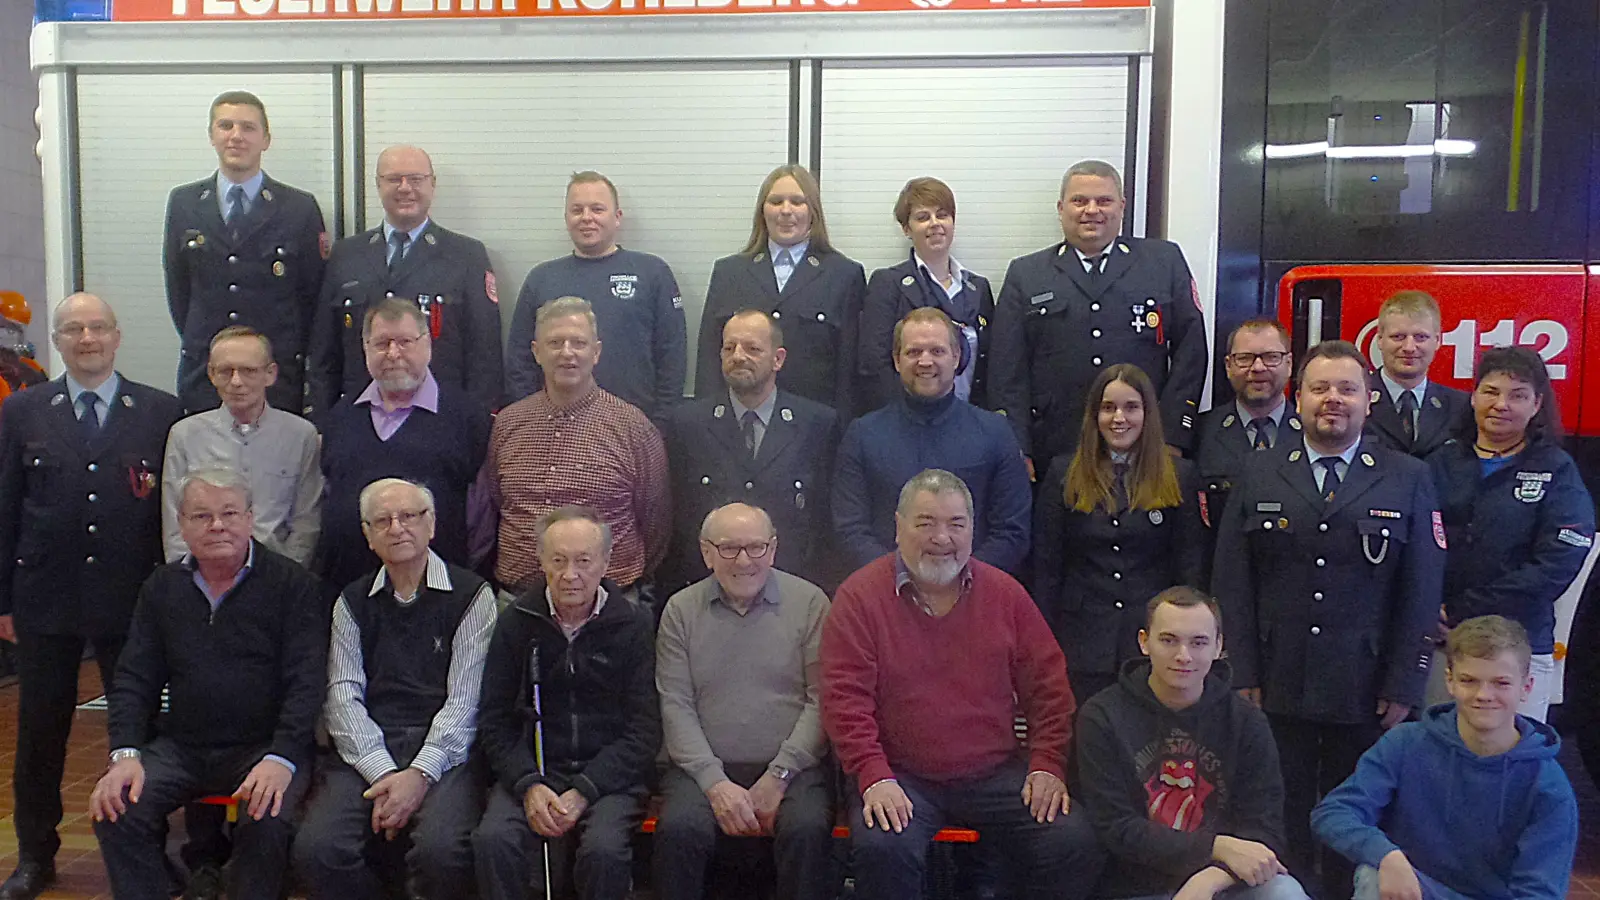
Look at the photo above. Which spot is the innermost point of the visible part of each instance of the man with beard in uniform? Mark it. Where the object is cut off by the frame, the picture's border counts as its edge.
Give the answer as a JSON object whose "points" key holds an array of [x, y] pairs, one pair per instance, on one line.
{"points": [[242, 248], [767, 447], [1092, 301], [1330, 571], [411, 256], [1258, 365]]}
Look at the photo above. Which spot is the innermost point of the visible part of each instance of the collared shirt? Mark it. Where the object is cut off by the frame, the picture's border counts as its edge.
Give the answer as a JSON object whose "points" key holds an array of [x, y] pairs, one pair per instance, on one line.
{"points": [[742, 688], [1394, 389], [571, 631], [357, 738], [969, 333], [906, 588], [413, 236], [599, 452], [252, 190], [1094, 263], [1343, 466], [278, 456], [958, 275], [107, 392], [763, 413], [386, 422], [205, 588], [785, 259], [1246, 417]]}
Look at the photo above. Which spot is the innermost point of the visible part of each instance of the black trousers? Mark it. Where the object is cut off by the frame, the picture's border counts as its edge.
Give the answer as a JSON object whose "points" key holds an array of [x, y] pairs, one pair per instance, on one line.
{"points": [[335, 848], [47, 676], [132, 846], [1060, 860], [687, 836], [1315, 758], [594, 861]]}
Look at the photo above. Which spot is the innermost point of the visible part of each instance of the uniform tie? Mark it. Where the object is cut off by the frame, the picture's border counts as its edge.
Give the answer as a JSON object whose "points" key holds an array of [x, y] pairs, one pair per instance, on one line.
{"points": [[235, 204], [1264, 427], [397, 244], [1119, 486], [1408, 416], [783, 266], [747, 427], [1330, 477], [89, 421]]}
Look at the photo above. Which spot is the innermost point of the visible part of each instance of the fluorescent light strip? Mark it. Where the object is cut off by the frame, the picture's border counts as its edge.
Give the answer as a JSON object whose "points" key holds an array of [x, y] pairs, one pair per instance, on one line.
{"points": [[1389, 151]]}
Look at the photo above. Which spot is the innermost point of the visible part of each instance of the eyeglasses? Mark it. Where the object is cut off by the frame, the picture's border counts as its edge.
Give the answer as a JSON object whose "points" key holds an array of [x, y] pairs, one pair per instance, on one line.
{"points": [[75, 330], [1271, 358], [731, 551], [408, 519], [404, 345], [248, 373], [228, 518], [411, 181]]}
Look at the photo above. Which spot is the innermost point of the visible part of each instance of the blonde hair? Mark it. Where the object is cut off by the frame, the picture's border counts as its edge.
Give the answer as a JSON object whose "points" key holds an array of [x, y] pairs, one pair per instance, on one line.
{"points": [[808, 186]]}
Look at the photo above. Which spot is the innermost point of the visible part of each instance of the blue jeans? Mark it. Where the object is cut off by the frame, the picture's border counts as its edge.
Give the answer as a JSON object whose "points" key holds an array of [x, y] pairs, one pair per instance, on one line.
{"points": [[1367, 887], [1284, 887]]}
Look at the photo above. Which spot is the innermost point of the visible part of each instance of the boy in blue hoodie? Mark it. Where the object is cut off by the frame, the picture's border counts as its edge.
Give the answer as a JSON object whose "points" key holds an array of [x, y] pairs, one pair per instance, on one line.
{"points": [[1468, 803]]}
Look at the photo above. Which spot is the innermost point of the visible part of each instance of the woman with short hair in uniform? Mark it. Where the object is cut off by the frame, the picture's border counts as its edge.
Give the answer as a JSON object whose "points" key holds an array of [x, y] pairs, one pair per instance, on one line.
{"points": [[930, 276], [1116, 523], [791, 271], [1518, 521]]}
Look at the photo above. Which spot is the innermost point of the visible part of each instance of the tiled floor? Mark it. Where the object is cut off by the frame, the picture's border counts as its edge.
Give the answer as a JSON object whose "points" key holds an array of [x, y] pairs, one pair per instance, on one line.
{"points": [[81, 875]]}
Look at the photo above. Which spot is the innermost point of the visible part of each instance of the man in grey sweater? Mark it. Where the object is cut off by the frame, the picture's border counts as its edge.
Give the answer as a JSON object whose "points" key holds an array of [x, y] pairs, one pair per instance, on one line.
{"points": [[738, 675]]}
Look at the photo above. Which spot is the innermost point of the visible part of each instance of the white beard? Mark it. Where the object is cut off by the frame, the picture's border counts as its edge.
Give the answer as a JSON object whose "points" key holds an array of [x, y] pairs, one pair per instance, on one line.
{"points": [[939, 573]]}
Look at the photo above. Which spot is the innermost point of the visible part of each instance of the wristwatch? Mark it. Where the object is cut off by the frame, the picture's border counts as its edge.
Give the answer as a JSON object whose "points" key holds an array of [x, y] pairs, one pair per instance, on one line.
{"points": [[782, 773], [123, 753]]}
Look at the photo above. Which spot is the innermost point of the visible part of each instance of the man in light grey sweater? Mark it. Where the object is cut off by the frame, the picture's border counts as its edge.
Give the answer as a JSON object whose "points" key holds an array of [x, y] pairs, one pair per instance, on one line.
{"points": [[738, 675]]}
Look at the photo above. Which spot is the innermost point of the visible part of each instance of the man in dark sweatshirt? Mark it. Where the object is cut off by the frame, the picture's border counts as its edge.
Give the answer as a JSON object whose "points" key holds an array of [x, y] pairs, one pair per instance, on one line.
{"points": [[239, 637], [1179, 773], [1468, 803]]}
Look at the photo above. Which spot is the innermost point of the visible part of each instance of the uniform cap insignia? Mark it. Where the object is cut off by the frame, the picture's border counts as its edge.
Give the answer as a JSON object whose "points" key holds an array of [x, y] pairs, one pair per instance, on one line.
{"points": [[788, 414], [1367, 459], [1294, 456], [908, 281], [1228, 422], [719, 412]]}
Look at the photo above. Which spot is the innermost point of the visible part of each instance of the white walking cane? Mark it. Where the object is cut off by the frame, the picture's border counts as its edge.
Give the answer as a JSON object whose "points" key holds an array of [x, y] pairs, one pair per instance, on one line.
{"points": [[538, 756]]}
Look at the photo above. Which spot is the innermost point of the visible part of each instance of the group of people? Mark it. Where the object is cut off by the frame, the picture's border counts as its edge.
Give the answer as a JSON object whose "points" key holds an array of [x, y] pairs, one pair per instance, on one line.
{"points": [[503, 615]]}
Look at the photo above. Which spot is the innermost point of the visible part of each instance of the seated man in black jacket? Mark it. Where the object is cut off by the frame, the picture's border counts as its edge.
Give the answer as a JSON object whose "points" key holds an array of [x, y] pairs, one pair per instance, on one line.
{"points": [[569, 720], [1180, 773], [238, 636]]}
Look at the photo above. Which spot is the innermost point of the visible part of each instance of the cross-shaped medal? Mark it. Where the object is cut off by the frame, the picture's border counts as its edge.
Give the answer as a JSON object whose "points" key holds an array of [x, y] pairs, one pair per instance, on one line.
{"points": [[1138, 318]]}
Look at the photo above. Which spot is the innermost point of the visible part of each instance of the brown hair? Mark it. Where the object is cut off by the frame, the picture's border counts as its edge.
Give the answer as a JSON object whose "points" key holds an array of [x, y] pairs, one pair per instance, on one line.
{"points": [[588, 176], [1486, 637], [1526, 366], [1183, 597], [237, 98], [1152, 479], [1259, 324], [927, 315], [241, 331], [773, 327], [1331, 350], [808, 186], [929, 192]]}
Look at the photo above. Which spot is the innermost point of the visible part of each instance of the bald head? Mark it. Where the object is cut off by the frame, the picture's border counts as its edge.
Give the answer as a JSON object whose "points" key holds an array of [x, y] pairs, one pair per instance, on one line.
{"points": [[84, 330], [405, 185], [738, 516], [747, 534]]}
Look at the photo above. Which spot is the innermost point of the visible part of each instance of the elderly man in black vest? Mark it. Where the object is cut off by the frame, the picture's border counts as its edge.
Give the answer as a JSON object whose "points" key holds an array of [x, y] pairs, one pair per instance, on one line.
{"points": [[405, 665]]}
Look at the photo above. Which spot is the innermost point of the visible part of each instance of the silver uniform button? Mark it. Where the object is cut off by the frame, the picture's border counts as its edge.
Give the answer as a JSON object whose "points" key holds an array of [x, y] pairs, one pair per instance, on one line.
{"points": [[1096, 360], [822, 317], [1323, 527], [93, 497], [1095, 333], [233, 259], [1321, 562], [1115, 549], [1116, 576], [92, 529], [777, 314], [1119, 604], [1384, 532], [749, 485], [93, 467], [1094, 307], [233, 317], [89, 560], [1317, 596], [1115, 523], [1316, 630], [233, 289], [705, 479]]}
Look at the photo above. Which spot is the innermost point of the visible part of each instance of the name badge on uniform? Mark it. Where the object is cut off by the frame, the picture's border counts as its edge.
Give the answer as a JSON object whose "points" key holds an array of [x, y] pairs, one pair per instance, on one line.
{"points": [[1045, 297], [1269, 507], [1384, 513]]}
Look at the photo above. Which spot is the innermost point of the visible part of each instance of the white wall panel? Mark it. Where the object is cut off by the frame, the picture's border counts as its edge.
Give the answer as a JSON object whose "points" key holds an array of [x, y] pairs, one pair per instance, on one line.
{"points": [[687, 146], [140, 135], [1000, 134]]}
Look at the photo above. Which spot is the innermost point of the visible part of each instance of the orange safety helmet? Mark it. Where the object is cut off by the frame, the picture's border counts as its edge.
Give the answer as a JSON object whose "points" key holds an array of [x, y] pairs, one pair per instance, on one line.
{"points": [[15, 307]]}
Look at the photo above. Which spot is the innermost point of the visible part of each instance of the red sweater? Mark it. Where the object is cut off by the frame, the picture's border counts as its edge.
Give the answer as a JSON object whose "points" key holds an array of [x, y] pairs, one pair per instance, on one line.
{"points": [[937, 697]]}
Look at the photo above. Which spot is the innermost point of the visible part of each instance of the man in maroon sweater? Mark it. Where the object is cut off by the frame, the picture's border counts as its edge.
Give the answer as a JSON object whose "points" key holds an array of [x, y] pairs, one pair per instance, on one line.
{"points": [[927, 656]]}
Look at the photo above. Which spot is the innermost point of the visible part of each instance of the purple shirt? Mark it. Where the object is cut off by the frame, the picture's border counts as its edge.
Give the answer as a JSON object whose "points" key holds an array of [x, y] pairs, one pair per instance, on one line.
{"points": [[386, 423]]}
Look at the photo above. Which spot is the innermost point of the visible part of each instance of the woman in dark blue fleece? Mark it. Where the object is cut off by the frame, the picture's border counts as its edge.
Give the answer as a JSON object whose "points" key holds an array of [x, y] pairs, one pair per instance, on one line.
{"points": [[1468, 803], [1517, 517]]}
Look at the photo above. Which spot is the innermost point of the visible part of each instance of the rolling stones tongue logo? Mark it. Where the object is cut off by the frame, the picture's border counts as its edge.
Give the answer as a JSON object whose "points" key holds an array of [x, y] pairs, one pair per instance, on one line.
{"points": [[1178, 795]]}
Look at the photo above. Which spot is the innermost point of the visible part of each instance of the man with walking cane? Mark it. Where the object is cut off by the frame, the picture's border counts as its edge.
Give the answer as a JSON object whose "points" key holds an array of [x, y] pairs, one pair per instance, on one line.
{"points": [[569, 721]]}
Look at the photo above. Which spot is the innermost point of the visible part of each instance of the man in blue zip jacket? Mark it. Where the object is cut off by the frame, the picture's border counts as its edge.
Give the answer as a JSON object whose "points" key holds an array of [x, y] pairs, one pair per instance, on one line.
{"points": [[577, 657]]}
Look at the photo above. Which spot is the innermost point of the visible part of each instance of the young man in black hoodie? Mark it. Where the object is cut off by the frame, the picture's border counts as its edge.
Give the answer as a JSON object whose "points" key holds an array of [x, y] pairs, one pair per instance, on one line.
{"points": [[1179, 773]]}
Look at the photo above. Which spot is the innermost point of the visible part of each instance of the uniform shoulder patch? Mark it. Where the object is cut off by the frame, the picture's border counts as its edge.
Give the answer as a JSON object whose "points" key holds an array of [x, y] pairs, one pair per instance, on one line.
{"points": [[1575, 538]]}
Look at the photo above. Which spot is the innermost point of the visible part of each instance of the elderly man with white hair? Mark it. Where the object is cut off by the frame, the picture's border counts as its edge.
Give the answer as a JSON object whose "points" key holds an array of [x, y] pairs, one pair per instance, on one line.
{"points": [[740, 686], [236, 634], [404, 669]]}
